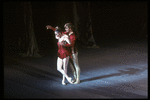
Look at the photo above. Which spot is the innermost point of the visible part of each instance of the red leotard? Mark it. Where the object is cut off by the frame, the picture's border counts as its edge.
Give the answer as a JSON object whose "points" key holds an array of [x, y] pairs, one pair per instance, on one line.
{"points": [[63, 52], [66, 51]]}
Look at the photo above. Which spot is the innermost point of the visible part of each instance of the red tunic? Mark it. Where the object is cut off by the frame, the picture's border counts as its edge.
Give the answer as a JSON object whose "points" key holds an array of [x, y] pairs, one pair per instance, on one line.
{"points": [[69, 46], [63, 52], [72, 40]]}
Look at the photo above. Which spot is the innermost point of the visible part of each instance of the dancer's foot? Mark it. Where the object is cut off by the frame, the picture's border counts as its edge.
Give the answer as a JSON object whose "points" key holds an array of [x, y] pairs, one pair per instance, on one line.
{"points": [[63, 83], [70, 80], [77, 82], [73, 80]]}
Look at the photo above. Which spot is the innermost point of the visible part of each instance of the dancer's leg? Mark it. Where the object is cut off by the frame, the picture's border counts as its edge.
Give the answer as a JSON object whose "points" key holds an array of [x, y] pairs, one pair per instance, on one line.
{"points": [[59, 68], [72, 68], [59, 65], [76, 64], [65, 64]]}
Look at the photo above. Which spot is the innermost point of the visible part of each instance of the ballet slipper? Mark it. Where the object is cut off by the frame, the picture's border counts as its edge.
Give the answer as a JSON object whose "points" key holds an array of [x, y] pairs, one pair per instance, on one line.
{"points": [[70, 80], [73, 80], [77, 82], [63, 83]]}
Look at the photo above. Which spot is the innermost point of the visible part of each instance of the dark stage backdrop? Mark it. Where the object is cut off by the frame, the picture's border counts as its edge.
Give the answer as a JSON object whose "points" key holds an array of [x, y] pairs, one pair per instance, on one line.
{"points": [[119, 20], [111, 21]]}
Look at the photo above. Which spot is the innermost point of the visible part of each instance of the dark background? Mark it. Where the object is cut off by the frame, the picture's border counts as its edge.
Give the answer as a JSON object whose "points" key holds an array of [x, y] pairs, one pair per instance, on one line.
{"points": [[112, 22]]}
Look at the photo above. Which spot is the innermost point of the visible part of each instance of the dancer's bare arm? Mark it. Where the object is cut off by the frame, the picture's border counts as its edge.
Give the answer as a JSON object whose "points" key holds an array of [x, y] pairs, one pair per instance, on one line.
{"points": [[65, 38]]}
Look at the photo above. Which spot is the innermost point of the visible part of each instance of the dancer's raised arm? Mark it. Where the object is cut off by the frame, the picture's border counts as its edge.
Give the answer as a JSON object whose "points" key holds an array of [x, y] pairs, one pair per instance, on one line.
{"points": [[50, 27]]}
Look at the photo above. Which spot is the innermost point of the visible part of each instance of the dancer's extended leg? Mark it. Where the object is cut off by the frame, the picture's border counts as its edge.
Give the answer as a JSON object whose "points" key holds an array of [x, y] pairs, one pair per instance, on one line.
{"points": [[59, 68]]}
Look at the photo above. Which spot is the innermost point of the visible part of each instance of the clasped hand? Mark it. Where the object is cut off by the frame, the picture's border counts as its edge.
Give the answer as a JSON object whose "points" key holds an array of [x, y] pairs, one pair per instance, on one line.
{"points": [[62, 43]]}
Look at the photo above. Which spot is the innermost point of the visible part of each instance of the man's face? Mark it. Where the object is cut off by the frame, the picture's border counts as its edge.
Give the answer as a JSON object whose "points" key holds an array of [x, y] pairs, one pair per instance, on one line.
{"points": [[67, 29]]}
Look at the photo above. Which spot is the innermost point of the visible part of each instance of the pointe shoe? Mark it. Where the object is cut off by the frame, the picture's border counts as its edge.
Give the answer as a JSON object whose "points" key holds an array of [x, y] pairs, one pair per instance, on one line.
{"points": [[77, 82], [63, 83], [73, 80], [70, 80]]}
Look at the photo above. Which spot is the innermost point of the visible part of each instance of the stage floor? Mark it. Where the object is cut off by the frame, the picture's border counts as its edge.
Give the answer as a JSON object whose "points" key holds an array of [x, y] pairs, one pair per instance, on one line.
{"points": [[119, 71]]}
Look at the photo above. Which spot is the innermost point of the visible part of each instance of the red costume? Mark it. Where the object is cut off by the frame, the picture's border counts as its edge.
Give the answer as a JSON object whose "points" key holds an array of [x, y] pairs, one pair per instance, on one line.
{"points": [[72, 52], [72, 40], [52, 28], [63, 52]]}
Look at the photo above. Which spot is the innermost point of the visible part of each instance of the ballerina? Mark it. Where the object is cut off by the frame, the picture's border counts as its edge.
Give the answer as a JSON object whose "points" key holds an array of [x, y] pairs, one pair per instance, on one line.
{"points": [[63, 55]]}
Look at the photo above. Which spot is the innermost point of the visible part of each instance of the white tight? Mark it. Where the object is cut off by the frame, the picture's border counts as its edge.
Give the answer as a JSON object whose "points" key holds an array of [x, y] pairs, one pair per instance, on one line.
{"points": [[63, 62], [76, 69]]}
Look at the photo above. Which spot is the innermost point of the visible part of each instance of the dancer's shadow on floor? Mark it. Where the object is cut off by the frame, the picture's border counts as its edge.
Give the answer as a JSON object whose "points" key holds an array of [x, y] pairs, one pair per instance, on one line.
{"points": [[101, 77], [32, 71], [128, 71]]}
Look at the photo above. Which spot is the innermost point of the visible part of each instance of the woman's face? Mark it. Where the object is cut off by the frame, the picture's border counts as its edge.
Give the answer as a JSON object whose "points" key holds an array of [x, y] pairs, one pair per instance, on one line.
{"points": [[57, 35]]}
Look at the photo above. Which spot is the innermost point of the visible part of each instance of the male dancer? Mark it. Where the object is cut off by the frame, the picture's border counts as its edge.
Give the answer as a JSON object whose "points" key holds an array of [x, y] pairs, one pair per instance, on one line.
{"points": [[76, 69], [69, 30]]}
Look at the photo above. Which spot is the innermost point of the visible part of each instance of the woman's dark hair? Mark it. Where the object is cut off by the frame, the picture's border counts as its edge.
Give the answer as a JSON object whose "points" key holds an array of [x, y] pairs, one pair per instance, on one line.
{"points": [[58, 29]]}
